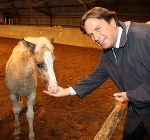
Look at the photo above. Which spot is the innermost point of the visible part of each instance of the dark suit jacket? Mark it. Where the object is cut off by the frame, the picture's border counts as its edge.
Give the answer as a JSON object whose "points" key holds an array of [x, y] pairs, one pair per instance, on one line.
{"points": [[131, 73]]}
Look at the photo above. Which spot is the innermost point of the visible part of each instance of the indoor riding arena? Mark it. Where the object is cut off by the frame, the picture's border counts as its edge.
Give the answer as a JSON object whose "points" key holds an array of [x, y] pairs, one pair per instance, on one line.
{"points": [[76, 56]]}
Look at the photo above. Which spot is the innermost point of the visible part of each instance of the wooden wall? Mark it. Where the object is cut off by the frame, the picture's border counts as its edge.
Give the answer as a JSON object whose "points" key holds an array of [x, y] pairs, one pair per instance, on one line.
{"points": [[69, 36], [71, 21]]}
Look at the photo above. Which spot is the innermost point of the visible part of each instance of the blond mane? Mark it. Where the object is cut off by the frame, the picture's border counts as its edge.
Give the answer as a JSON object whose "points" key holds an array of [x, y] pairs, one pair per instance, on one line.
{"points": [[40, 42]]}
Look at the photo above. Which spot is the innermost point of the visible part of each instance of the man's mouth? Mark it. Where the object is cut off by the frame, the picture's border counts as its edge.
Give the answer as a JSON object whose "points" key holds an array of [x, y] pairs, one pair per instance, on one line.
{"points": [[101, 43]]}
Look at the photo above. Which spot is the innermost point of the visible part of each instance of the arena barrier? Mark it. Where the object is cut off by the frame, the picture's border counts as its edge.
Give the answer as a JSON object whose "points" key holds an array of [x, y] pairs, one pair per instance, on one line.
{"points": [[113, 120], [68, 36]]}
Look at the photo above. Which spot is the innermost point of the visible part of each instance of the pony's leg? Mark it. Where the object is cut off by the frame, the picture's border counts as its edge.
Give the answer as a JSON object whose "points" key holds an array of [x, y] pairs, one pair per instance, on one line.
{"points": [[30, 113], [16, 109]]}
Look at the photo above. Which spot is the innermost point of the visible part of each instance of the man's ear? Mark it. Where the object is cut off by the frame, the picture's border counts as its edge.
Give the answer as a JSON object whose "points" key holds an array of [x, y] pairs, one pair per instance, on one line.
{"points": [[29, 45], [113, 22], [52, 39]]}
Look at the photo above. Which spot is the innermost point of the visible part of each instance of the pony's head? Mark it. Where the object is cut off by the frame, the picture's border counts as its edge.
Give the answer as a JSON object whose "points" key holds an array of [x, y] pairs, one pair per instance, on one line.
{"points": [[41, 52]]}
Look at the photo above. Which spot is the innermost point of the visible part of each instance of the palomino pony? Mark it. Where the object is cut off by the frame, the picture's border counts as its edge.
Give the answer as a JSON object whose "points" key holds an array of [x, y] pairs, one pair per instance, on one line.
{"points": [[32, 56]]}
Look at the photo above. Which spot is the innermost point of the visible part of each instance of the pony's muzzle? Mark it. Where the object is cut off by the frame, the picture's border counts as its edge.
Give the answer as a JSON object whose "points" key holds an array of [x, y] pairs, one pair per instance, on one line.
{"points": [[52, 88]]}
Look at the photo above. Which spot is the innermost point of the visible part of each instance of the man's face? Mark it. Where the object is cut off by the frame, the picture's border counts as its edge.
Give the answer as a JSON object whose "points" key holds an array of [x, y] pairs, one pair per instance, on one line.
{"points": [[101, 32]]}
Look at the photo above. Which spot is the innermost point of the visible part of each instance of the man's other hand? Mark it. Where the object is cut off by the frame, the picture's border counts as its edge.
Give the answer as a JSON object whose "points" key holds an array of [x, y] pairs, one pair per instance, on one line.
{"points": [[121, 97]]}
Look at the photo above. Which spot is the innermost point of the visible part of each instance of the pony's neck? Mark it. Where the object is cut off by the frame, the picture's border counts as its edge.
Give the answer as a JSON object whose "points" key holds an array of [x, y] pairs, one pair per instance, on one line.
{"points": [[27, 64], [23, 63]]}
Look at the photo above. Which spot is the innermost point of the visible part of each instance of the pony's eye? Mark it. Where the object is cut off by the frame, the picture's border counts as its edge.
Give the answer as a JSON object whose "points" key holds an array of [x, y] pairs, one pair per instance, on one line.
{"points": [[98, 28], [40, 65]]}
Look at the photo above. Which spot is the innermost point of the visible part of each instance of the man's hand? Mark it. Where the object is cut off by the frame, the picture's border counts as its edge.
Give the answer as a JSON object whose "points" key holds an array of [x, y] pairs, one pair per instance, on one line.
{"points": [[121, 97], [59, 93]]}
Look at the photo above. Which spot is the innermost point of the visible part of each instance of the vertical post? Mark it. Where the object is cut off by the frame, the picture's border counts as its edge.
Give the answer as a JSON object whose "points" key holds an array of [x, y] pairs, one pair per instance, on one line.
{"points": [[85, 8], [5, 20], [9, 19], [12, 21], [32, 12]]}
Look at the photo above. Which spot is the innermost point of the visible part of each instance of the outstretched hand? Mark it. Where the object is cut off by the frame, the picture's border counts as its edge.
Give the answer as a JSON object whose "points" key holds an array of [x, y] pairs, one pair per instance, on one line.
{"points": [[59, 93], [121, 97]]}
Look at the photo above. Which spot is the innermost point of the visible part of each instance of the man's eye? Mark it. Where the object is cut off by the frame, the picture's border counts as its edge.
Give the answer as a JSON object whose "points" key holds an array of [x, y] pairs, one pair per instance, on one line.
{"points": [[40, 65], [90, 35]]}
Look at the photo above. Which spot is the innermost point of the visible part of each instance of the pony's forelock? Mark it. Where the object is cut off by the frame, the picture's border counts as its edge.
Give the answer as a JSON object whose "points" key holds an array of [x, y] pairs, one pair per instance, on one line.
{"points": [[40, 42]]}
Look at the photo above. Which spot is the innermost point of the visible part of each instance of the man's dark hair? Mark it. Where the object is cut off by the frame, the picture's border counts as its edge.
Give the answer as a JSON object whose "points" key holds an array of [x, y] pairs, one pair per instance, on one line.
{"points": [[99, 13]]}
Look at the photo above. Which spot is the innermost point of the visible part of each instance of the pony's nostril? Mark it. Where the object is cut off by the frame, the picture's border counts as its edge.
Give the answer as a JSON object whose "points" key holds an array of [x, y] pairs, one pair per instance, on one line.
{"points": [[52, 89]]}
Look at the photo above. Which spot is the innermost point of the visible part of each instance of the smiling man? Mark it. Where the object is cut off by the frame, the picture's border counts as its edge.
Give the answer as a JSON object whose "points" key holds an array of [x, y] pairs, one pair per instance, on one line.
{"points": [[125, 59]]}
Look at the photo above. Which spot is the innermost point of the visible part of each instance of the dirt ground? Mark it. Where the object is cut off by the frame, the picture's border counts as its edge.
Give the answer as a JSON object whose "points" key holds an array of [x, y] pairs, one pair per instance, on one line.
{"points": [[66, 118]]}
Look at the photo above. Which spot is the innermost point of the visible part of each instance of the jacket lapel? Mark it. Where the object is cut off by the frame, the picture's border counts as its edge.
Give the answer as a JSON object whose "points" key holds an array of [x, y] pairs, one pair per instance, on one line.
{"points": [[115, 66]]}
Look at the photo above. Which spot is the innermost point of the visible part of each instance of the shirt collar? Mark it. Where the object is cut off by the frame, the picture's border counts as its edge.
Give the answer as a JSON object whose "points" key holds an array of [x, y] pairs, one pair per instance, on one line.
{"points": [[119, 37]]}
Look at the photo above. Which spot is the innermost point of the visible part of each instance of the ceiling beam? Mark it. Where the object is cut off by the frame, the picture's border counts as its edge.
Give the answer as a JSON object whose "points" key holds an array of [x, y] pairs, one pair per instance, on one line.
{"points": [[84, 4], [80, 1], [7, 4], [3, 1], [92, 1], [39, 3], [40, 10], [49, 7]]}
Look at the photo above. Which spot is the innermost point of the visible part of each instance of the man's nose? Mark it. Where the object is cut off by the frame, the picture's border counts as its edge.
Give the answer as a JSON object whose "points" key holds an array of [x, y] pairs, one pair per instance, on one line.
{"points": [[96, 37]]}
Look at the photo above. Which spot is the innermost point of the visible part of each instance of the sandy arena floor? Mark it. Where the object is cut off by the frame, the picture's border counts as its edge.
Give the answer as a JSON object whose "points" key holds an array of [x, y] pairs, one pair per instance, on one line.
{"points": [[66, 118]]}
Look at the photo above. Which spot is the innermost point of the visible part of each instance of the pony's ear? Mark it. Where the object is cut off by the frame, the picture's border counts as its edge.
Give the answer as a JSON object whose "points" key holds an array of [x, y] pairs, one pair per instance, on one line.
{"points": [[29, 45], [52, 39]]}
